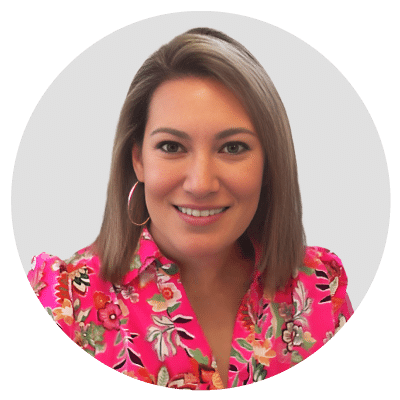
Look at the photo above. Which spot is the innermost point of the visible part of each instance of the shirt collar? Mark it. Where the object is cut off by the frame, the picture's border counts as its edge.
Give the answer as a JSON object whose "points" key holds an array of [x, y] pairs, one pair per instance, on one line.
{"points": [[148, 252]]}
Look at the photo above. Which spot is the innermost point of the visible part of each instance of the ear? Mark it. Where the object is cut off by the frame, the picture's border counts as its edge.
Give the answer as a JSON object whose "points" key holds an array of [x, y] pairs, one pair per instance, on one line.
{"points": [[137, 162]]}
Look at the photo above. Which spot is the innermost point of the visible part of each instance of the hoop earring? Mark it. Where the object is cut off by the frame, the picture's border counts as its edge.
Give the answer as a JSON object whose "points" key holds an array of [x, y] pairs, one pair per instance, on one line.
{"points": [[129, 200]]}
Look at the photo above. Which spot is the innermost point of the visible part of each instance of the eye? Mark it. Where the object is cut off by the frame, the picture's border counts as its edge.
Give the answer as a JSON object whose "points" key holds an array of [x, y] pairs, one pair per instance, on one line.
{"points": [[235, 148], [170, 147]]}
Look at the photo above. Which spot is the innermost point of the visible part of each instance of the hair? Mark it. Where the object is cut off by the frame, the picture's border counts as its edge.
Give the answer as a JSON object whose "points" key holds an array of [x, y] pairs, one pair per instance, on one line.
{"points": [[277, 224]]}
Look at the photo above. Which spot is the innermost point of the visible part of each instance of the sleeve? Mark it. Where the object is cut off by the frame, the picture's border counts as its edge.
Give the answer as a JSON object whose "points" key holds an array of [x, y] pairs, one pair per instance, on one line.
{"points": [[341, 305], [49, 279]]}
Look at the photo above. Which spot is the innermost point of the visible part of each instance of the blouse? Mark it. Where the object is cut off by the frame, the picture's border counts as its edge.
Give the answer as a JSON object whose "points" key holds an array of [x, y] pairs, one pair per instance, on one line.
{"points": [[146, 327]]}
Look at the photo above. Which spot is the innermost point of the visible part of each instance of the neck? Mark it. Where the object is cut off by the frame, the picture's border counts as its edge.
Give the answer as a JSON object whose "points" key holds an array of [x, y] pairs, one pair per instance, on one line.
{"points": [[226, 272], [211, 271]]}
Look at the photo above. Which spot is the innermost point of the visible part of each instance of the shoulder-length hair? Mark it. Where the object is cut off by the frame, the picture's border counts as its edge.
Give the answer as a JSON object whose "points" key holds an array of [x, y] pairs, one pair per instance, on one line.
{"points": [[277, 225]]}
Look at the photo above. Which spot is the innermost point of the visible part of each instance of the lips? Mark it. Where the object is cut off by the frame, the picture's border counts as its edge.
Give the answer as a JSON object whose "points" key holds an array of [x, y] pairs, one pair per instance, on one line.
{"points": [[200, 216], [196, 212]]}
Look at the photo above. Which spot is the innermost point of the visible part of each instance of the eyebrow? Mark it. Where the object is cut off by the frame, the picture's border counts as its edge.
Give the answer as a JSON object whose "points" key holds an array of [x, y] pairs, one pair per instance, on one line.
{"points": [[221, 135]]}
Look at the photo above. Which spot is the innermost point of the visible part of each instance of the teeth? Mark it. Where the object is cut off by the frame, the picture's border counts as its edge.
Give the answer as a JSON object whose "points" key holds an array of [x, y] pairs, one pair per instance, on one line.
{"points": [[198, 213]]}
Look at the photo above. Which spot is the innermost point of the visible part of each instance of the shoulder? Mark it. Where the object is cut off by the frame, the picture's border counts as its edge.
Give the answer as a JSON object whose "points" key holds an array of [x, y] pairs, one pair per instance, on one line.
{"points": [[49, 271], [314, 304], [64, 286], [323, 263], [324, 277]]}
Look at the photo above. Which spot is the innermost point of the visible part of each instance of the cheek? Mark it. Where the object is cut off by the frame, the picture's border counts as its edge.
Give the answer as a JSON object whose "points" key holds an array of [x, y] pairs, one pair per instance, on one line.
{"points": [[248, 181], [248, 191], [159, 180]]}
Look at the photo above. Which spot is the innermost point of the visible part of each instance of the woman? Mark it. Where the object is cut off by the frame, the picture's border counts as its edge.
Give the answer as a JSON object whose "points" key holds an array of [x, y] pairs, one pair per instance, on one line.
{"points": [[201, 280]]}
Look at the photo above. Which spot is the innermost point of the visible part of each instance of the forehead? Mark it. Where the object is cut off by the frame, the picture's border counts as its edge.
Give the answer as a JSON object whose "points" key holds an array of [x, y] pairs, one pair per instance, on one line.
{"points": [[196, 101]]}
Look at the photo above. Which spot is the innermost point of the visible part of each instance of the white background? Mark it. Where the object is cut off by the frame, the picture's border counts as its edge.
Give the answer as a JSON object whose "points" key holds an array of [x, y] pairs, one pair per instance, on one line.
{"points": [[64, 156]]}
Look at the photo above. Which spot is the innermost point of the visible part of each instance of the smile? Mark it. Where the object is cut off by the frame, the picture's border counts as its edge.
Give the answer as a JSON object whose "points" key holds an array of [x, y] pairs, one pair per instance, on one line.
{"points": [[201, 213]]}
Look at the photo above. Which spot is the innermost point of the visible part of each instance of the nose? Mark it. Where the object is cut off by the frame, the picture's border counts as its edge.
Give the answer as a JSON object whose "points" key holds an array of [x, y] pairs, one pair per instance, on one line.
{"points": [[201, 178]]}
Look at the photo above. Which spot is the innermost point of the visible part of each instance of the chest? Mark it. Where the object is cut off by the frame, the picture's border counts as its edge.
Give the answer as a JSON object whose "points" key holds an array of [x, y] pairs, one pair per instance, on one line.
{"points": [[217, 316]]}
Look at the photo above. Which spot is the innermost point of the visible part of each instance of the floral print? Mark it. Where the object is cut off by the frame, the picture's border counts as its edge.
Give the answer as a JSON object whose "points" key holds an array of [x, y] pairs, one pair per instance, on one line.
{"points": [[167, 298], [64, 312], [109, 316], [262, 349], [146, 328], [166, 336]]}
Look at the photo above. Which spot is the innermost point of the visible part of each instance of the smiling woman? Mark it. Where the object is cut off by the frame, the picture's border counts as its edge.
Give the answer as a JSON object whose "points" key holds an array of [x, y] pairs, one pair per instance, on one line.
{"points": [[203, 279], [207, 159]]}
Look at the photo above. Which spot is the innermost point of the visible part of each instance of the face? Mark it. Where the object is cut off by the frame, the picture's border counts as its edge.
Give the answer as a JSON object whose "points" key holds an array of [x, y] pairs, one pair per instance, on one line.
{"points": [[202, 167]]}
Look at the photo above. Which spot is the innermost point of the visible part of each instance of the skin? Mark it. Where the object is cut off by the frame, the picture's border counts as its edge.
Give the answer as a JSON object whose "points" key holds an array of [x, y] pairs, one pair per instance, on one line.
{"points": [[197, 166]]}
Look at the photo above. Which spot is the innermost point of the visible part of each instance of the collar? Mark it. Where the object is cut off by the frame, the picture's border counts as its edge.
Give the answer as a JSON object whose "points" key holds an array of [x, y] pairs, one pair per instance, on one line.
{"points": [[148, 253]]}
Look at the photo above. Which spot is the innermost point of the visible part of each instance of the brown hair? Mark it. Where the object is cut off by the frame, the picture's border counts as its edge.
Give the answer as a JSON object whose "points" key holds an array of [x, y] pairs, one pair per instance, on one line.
{"points": [[277, 225]]}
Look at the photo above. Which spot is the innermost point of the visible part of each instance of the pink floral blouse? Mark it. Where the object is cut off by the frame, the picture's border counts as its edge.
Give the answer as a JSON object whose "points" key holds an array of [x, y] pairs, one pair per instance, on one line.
{"points": [[147, 329]]}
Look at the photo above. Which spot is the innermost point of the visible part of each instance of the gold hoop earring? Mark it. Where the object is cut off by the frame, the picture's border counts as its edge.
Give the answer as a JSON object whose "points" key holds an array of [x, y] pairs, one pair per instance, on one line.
{"points": [[129, 200]]}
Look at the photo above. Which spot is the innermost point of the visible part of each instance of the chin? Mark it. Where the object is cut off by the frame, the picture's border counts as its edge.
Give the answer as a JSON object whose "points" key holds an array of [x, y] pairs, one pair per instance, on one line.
{"points": [[206, 247]]}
